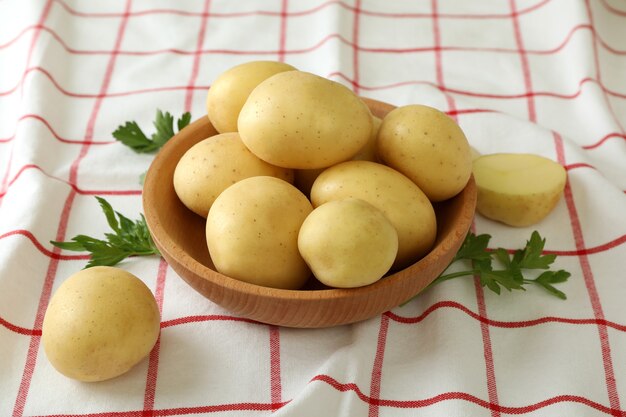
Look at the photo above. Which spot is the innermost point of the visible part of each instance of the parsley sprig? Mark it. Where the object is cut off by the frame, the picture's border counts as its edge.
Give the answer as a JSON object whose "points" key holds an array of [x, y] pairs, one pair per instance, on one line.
{"points": [[131, 135], [129, 238], [512, 269]]}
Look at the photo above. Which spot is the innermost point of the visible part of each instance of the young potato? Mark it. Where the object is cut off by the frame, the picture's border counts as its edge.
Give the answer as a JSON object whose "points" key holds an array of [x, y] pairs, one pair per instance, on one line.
{"points": [[348, 243], [517, 189], [99, 324], [304, 178], [300, 120], [475, 153], [212, 165], [231, 89], [428, 147], [252, 232], [369, 151], [404, 204]]}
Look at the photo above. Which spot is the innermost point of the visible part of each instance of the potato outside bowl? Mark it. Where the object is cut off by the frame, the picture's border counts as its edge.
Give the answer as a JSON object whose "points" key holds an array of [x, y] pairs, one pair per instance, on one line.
{"points": [[180, 236]]}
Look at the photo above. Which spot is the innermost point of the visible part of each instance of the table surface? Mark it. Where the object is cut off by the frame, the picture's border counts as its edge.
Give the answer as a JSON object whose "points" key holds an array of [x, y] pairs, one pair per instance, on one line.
{"points": [[537, 76]]}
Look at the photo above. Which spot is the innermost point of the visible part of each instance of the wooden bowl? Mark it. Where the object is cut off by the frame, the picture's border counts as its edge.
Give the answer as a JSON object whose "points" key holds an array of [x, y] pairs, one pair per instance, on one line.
{"points": [[180, 236]]}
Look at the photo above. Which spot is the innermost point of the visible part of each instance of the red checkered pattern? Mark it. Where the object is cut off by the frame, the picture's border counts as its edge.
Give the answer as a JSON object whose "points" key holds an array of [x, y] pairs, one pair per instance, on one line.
{"points": [[539, 76]]}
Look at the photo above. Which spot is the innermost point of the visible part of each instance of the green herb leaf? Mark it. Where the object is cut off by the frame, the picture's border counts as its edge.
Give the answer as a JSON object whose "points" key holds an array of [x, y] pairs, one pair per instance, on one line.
{"points": [[131, 135], [509, 271], [130, 238], [474, 248]]}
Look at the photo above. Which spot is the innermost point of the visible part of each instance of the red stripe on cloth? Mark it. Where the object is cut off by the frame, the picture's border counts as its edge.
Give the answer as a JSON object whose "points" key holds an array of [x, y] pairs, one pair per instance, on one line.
{"points": [[180, 411], [153, 361], [532, 116], [275, 372], [19, 329], [596, 60], [393, 316], [355, 42], [468, 93], [613, 9], [282, 37], [197, 56], [46, 292], [74, 186], [346, 6], [565, 96], [31, 48], [202, 318], [327, 38], [503, 324], [377, 368], [588, 276], [462, 396], [33, 41], [40, 247], [52, 131], [604, 139], [490, 374], [589, 251], [492, 387], [33, 348], [439, 59]]}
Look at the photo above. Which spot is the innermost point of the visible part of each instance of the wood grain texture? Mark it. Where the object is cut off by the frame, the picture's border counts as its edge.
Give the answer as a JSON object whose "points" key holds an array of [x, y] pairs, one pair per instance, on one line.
{"points": [[180, 236]]}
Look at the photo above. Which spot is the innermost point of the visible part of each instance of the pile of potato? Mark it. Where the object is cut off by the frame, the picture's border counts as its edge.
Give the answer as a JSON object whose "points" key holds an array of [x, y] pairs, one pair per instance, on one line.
{"points": [[303, 179]]}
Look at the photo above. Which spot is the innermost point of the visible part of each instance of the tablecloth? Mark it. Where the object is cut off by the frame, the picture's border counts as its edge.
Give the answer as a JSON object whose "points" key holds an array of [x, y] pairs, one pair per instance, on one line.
{"points": [[537, 76]]}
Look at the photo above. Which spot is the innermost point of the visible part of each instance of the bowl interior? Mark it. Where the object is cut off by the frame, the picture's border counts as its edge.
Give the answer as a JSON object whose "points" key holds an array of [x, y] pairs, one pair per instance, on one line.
{"points": [[180, 235]]}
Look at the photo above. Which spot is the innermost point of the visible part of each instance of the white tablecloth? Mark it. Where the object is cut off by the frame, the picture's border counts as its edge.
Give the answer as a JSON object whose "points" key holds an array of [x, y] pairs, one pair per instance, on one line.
{"points": [[539, 76]]}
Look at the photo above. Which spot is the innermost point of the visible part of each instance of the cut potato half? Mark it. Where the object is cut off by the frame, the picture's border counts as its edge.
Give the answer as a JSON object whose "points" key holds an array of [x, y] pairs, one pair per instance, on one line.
{"points": [[517, 189]]}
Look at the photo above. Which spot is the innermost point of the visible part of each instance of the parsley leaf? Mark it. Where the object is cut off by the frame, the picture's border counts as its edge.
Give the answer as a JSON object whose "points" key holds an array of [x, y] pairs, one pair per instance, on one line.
{"points": [[131, 135], [511, 271], [130, 238]]}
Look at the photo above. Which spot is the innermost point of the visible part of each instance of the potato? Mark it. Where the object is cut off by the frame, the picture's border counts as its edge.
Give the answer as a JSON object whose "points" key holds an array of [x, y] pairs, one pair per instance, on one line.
{"points": [[348, 243], [517, 189], [369, 151], [404, 204], [304, 178], [99, 324], [428, 147], [300, 120], [211, 165], [252, 232], [231, 89], [475, 153]]}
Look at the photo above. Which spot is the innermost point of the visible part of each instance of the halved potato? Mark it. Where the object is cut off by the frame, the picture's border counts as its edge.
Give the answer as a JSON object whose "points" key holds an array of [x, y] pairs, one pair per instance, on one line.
{"points": [[517, 189]]}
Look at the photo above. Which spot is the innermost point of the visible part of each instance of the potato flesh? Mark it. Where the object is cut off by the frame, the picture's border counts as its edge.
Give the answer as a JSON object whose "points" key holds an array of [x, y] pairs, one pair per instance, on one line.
{"points": [[517, 189], [100, 323]]}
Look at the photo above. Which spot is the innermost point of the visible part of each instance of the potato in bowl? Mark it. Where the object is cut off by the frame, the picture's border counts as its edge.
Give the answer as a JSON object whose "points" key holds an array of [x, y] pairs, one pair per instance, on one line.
{"points": [[180, 236]]}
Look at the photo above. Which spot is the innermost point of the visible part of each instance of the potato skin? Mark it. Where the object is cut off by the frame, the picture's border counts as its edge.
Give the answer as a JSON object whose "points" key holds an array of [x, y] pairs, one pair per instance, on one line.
{"points": [[212, 165], [252, 232], [300, 120], [517, 189], [427, 146], [100, 323], [231, 89], [404, 204], [304, 178], [348, 243]]}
